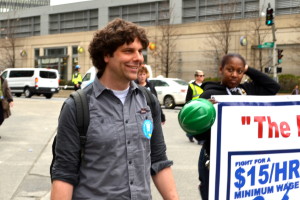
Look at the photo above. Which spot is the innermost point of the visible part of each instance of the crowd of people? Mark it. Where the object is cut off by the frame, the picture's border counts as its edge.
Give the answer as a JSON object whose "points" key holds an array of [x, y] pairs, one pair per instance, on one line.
{"points": [[121, 154]]}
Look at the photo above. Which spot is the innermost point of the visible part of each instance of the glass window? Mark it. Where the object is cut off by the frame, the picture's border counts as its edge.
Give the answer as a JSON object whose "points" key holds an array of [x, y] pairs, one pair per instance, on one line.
{"points": [[21, 74], [163, 83], [56, 51], [87, 77], [36, 52], [4, 74], [74, 50], [46, 74], [159, 83], [145, 14], [74, 21], [181, 82]]}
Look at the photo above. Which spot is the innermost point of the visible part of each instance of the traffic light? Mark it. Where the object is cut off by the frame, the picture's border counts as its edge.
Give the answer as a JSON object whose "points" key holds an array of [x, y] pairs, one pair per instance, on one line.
{"points": [[279, 56], [268, 69], [279, 69], [269, 17]]}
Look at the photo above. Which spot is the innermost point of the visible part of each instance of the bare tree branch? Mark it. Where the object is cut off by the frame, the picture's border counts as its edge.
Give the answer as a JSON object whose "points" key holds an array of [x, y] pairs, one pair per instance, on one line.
{"points": [[166, 45], [8, 43], [259, 37], [220, 38]]}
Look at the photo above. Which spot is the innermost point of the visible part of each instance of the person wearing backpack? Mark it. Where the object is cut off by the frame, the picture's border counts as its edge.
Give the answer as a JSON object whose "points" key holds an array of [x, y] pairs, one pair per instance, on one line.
{"points": [[124, 144]]}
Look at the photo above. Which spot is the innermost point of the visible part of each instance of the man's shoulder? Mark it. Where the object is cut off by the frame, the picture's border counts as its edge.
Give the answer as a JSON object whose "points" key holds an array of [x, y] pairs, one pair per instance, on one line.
{"points": [[86, 93]]}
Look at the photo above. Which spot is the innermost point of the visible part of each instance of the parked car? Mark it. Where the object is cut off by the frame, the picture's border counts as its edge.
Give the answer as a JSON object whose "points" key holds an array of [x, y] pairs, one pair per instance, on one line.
{"points": [[89, 77], [171, 92], [32, 81]]}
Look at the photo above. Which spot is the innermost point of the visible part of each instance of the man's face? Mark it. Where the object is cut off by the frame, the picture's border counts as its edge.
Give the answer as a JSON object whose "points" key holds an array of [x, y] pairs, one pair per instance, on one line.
{"points": [[125, 62], [199, 77]]}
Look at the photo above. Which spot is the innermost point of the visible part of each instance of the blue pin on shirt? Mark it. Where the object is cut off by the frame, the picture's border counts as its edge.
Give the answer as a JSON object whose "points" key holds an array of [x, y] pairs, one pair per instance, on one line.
{"points": [[147, 128]]}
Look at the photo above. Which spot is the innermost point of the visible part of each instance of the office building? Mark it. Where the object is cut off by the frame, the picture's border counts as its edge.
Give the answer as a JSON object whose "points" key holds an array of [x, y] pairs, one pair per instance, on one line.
{"points": [[58, 36], [13, 5]]}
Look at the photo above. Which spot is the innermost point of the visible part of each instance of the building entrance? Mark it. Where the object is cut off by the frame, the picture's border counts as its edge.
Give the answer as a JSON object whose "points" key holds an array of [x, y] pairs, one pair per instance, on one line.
{"points": [[55, 62]]}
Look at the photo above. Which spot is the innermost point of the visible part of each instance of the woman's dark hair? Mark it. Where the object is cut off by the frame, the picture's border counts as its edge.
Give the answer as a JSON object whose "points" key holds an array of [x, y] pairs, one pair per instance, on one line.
{"points": [[108, 39], [227, 58]]}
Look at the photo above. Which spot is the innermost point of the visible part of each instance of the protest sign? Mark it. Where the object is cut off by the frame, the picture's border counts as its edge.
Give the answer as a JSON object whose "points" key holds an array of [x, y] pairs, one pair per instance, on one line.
{"points": [[255, 148]]}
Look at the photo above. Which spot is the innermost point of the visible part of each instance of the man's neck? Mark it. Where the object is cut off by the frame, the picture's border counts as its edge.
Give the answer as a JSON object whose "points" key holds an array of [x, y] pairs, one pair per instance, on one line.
{"points": [[198, 82], [113, 83]]}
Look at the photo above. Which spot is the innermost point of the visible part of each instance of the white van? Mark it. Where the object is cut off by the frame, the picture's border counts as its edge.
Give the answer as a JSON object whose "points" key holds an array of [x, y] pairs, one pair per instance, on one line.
{"points": [[31, 81], [89, 77]]}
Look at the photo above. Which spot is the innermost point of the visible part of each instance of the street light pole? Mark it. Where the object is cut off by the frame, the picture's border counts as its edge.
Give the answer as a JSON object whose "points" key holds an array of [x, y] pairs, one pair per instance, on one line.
{"points": [[271, 22], [274, 54]]}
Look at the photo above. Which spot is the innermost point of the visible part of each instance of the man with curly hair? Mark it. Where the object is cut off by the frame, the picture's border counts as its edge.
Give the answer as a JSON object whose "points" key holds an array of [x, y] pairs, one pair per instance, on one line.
{"points": [[125, 144]]}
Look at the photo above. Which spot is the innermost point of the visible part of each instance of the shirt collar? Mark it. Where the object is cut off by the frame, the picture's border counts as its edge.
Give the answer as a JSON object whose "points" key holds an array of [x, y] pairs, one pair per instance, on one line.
{"points": [[99, 88]]}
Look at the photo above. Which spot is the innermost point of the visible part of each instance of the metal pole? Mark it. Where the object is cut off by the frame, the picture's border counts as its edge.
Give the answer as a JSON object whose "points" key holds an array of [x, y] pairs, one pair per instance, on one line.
{"points": [[274, 54], [274, 48]]}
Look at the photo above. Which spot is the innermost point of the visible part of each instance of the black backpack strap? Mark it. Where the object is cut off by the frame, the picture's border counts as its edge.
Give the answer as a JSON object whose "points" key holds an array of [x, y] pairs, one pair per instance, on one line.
{"points": [[81, 99], [150, 98], [82, 115]]}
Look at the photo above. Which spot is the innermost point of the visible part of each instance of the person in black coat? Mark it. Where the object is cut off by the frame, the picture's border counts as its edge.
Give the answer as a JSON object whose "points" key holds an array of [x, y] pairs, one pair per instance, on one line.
{"points": [[5, 95], [194, 91], [143, 75], [233, 68]]}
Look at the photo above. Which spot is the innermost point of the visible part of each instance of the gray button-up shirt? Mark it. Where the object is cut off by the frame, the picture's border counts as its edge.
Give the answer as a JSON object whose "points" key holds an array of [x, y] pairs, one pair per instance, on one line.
{"points": [[119, 153]]}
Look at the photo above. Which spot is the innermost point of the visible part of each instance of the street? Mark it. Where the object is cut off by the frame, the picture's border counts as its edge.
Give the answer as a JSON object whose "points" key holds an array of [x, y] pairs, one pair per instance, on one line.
{"points": [[25, 151]]}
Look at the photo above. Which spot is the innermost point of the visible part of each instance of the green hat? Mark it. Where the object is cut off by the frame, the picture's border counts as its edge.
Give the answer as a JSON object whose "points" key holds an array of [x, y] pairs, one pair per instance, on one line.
{"points": [[197, 116]]}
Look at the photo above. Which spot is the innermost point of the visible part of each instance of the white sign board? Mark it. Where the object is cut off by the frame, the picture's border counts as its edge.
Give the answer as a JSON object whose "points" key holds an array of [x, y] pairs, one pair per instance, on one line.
{"points": [[255, 148]]}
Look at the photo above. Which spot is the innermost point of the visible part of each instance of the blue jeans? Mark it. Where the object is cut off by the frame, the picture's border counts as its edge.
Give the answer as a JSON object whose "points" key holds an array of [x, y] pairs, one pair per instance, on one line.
{"points": [[203, 175]]}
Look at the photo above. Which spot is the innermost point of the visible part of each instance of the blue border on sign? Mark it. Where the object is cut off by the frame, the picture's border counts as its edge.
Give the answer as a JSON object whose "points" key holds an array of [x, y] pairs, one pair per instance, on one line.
{"points": [[219, 135]]}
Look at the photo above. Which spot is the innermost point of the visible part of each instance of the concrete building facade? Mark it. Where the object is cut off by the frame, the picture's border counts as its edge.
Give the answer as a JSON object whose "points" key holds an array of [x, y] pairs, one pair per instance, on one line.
{"points": [[11, 5], [59, 36]]}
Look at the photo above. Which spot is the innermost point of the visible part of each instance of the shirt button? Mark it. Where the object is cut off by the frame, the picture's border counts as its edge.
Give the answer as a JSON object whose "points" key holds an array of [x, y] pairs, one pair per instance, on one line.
{"points": [[128, 142], [130, 162], [126, 121], [131, 182]]}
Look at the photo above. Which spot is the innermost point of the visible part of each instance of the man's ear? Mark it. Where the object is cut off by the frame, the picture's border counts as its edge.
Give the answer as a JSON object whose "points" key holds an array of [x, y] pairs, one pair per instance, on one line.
{"points": [[106, 58]]}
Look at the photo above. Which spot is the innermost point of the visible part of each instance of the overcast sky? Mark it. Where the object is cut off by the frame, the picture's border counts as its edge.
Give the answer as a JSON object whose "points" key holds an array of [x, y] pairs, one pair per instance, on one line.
{"points": [[57, 2]]}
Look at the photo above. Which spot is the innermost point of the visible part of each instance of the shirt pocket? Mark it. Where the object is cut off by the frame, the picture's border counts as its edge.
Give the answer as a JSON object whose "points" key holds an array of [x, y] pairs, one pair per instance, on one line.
{"points": [[102, 130]]}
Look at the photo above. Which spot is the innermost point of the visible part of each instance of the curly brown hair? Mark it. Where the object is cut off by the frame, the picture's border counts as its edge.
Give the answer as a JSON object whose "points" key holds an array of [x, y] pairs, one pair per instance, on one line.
{"points": [[108, 39]]}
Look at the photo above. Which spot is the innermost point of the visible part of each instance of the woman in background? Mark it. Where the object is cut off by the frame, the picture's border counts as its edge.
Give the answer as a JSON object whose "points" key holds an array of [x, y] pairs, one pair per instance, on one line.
{"points": [[143, 75]]}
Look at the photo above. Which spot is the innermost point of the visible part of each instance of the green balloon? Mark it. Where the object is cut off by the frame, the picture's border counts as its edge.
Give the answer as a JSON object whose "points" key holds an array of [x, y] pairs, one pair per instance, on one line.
{"points": [[197, 116]]}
